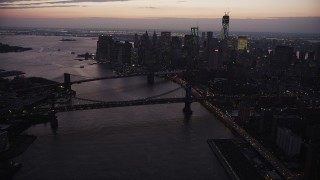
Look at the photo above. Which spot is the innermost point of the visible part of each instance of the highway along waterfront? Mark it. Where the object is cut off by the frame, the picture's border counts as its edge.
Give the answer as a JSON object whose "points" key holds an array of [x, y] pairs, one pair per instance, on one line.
{"points": [[229, 122], [140, 142]]}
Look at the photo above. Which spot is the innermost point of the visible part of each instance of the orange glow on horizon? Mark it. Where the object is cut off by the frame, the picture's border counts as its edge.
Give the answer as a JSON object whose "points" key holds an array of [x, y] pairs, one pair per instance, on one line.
{"points": [[168, 9]]}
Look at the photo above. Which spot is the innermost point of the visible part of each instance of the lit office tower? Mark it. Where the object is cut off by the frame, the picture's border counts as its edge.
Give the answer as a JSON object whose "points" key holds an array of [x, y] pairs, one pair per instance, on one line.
{"points": [[242, 43], [195, 35], [225, 26], [195, 39]]}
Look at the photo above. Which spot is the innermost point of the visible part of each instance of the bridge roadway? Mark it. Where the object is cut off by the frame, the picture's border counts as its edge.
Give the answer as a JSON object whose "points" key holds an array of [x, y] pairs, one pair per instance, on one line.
{"points": [[100, 78], [108, 77], [125, 76], [82, 81], [113, 104]]}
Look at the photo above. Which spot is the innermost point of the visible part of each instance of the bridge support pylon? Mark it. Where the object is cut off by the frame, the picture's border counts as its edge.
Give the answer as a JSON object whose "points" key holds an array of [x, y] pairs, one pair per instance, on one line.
{"points": [[187, 105], [53, 121], [67, 81], [150, 78]]}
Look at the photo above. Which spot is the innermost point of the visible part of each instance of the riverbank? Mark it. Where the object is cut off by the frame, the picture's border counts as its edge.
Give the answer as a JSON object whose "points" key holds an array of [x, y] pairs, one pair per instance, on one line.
{"points": [[241, 161], [238, 131], [16, 116], [18, 145]]}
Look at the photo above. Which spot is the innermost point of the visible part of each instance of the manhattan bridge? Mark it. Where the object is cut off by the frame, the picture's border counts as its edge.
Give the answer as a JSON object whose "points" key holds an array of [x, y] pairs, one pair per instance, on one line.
{"points": [[59, 96]]}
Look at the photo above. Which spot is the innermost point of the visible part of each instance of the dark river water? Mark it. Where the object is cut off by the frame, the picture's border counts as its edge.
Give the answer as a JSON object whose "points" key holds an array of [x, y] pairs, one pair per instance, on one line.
{"points": [[141, 142]]}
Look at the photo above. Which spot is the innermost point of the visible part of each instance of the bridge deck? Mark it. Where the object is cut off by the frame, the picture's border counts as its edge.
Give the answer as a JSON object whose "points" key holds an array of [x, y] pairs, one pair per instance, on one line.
{"points": [[111, 104]]}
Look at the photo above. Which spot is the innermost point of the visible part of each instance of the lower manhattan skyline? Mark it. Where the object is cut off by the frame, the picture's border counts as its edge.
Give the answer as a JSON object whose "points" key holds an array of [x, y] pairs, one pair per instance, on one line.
{"points": [[249, 16], [159, 89]]}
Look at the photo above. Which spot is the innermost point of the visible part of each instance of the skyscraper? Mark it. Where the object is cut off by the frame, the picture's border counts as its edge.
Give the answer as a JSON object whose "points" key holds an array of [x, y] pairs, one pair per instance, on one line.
{"points": [[242, 42], [126, 52], [195, 35], [104, 47], [154, 40], [283, 56], [203, 39], [225, 26], [165, 48], [165, 38], [144, 49]]}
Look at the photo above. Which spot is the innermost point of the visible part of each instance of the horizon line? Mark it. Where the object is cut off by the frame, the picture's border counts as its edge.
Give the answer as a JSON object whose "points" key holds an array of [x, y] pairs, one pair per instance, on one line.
{"points": [[155, 29], [150, 18]]}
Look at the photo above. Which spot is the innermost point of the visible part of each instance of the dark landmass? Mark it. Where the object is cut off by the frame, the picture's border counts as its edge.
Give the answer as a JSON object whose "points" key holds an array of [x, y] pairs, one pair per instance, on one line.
{"points": [[5, 48], [241, 161], [17, 97], [63, 39], [86, 56], [8, 169], [10, 73], [18, 145]]}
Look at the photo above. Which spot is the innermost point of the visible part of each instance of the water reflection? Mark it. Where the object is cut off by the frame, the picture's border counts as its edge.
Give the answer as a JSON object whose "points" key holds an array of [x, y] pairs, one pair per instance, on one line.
{"points": [[142, 142], [54, 123]]}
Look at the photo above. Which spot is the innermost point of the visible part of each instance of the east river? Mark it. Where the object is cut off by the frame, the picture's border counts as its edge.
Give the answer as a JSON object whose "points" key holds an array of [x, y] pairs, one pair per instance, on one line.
{"points": [[141, 142]]}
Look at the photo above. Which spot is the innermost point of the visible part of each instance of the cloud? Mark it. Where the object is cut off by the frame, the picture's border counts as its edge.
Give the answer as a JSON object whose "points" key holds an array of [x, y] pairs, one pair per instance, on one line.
{"points": [[280, 25], [16, 4], [97, 1], [30, 7], [148, 7], [66, 1], [7, 1]]}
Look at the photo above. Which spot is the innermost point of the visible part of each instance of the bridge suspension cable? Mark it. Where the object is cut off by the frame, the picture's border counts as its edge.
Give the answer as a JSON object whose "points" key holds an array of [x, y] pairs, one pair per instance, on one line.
{"points": [[58, 78], [162, 94], [147, 98], [82, 76], [90, 100]]}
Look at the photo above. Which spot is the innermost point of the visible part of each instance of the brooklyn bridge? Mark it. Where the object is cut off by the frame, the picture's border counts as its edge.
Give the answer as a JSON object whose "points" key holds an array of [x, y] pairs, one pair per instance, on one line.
{"points": [[65, 101]]}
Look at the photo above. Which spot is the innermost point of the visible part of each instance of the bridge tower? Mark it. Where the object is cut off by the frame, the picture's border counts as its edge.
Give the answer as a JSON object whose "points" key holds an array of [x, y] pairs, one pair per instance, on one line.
{"points": [[187, 106], [52, 100], [53, 121], [67, 81], [150, 77]]}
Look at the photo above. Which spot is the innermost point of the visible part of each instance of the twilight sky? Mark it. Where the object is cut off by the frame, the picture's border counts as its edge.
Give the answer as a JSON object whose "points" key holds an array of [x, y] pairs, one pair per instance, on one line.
{"points": [[164, 14]]}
